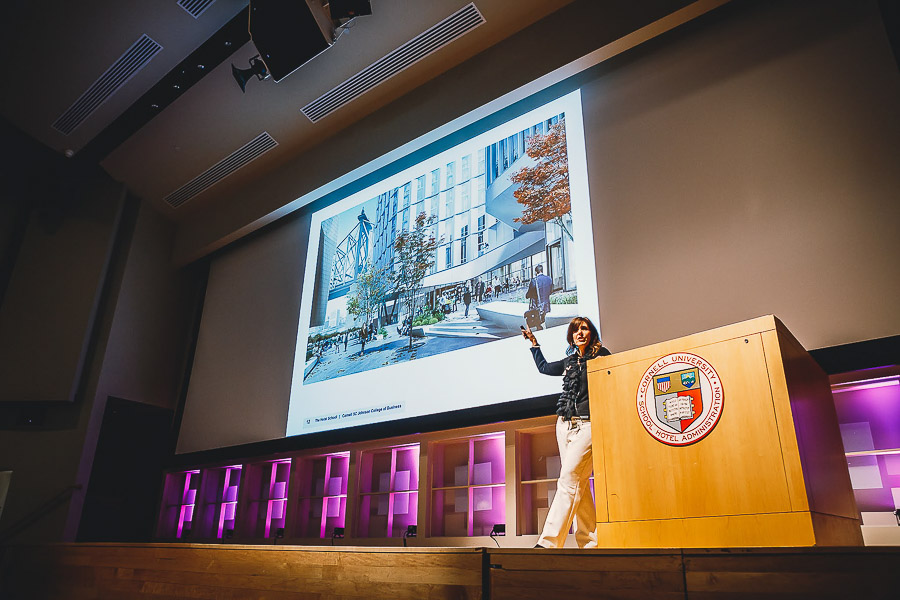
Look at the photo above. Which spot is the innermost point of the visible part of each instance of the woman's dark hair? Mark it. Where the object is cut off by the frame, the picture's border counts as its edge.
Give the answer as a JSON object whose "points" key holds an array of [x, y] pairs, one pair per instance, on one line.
{"points": [[594, 346]]}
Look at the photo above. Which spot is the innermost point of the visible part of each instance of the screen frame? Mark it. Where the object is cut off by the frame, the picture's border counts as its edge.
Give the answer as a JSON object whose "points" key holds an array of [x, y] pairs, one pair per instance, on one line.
{"points": [[523, 383]]}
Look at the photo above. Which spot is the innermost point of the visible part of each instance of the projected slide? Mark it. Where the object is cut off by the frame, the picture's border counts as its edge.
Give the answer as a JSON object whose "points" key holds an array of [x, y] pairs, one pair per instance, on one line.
{"points": [[416, 286]]}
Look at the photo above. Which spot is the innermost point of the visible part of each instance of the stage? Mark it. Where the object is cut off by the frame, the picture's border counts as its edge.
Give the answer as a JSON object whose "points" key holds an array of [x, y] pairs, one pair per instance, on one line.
{"points": [[158, 571]]}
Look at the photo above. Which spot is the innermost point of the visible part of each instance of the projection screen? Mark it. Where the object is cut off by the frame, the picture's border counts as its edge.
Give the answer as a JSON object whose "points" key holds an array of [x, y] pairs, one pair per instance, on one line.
{"points": [[415, 288]]}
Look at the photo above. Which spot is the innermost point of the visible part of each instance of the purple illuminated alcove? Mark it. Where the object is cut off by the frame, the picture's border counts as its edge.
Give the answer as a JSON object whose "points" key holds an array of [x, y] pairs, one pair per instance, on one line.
{"points": [[179, 499], [228, 500], [388, 491], [188, 501], [276, 497], [469, 486], [216, 505], [322, 499], [869, 415], [264, 512]]}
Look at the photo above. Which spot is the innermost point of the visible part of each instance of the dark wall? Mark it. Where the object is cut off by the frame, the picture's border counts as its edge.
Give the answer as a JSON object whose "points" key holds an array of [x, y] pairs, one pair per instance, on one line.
{"points": [[133, 346], [120, 502]]}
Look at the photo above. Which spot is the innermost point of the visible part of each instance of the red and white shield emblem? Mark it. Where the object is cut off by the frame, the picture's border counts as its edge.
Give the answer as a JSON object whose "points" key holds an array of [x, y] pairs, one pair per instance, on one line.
{"points": [[672, 407], [663, 384]]}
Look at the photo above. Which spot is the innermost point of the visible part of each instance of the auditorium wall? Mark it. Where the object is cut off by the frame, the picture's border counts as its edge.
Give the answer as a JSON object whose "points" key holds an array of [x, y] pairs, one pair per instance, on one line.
{"points": [[136, 351], [741, 166]]}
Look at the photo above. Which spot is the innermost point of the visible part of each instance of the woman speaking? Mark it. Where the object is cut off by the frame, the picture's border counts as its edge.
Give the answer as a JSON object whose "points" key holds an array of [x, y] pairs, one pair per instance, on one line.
{"points": [[573, 434]]}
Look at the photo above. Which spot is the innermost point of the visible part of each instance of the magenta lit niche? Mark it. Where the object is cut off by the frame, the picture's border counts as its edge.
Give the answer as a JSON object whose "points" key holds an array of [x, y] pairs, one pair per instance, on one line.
{"points": [[469, 487], [869, 416], [388, 491], [322, 497], [179, 500], [264, 511], [218, 502]]}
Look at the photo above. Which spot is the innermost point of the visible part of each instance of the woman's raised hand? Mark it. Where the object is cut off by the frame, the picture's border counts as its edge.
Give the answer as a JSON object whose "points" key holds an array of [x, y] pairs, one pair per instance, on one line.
{"points": [[526, 333]]}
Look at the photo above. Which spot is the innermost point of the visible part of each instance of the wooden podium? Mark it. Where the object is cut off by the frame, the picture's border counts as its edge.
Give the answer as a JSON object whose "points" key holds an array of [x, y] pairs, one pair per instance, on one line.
{"points": [[726, 438]]}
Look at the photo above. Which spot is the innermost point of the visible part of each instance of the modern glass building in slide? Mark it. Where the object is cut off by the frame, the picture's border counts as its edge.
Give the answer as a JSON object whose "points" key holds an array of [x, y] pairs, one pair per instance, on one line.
{"points": [[471, 200]]}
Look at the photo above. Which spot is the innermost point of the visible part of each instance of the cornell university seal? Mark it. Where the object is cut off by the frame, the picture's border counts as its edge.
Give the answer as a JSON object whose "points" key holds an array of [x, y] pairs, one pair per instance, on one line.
{"points": [[680, 399]]}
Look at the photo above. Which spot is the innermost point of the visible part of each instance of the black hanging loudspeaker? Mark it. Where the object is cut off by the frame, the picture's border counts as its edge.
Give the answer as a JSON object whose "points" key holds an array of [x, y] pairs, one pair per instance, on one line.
{"points": [[342, 10], [288, 33], [257, 67]]}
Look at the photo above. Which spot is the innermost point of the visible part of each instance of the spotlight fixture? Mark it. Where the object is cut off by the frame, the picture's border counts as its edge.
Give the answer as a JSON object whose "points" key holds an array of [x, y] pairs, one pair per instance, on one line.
{"points": [[498, 530], [337, 534], [242, 76], [411, 531]]}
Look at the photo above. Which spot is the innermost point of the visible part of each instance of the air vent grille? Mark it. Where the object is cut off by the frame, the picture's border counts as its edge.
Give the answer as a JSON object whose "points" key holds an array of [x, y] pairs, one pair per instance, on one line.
{"points": [[222, 169], [195, 8], [459, 23], [126, 67]]}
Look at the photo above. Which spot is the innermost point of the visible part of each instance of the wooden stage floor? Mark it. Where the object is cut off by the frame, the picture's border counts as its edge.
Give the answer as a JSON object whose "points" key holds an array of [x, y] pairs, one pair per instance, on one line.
{"points": [[161, 571]]}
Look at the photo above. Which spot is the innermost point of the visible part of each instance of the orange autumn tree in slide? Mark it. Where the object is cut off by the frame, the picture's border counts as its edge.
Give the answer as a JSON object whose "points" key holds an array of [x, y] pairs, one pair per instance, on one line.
{"points": [[544, 188]]}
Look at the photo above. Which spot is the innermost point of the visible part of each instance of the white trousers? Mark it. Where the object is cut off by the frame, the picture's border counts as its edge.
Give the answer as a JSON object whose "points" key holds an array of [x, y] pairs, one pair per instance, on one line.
{"points": [[573, 501]]}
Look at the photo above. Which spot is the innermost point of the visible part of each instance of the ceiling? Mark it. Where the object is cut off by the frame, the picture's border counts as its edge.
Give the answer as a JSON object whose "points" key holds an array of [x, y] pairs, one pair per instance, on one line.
{"points": [[55, 51]]}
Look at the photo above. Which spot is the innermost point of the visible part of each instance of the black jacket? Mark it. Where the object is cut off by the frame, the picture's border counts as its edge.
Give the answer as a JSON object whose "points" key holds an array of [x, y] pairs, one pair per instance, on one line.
{"points": [[573, 402]]}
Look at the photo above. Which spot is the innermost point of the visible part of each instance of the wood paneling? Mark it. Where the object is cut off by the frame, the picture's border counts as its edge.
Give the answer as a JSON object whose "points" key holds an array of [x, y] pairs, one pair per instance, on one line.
{"points": [[809, 573], [730, 471], [818, 433], [787, 435], [542, 574], [800, 573], [778, 529], [769, 529], [162, 571], [771, 473], [75, 571]]}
